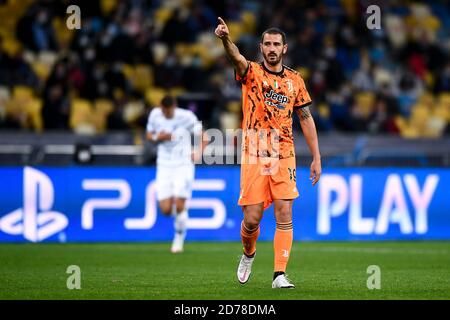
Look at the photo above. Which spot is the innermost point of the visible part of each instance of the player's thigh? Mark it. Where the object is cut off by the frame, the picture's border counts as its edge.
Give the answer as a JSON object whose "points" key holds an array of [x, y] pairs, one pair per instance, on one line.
{"points": [[183, 180], [254, 185], [164, 184], [166, 205], [283, 182]]}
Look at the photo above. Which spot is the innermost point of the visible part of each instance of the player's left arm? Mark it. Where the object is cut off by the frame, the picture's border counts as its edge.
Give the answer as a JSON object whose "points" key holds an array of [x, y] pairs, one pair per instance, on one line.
{"points": [[310, 133], [198, 150], [201, 138]]}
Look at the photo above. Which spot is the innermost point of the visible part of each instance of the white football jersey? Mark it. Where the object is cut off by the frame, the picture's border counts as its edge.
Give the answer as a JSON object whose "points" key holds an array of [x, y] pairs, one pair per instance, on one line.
{"points": [[182, 125]]}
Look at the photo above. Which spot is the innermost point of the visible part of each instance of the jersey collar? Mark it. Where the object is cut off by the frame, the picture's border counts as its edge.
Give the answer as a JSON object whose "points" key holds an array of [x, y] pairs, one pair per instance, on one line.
{"points": [[279, 73]]}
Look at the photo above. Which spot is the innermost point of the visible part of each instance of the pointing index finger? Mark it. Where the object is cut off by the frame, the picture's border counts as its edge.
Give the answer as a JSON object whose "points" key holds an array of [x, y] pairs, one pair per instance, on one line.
{"points": [[221, 20]]}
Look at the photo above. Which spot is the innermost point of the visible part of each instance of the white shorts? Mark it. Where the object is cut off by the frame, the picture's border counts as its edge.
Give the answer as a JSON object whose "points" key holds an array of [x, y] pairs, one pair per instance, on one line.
{"points": [[174, 182]]}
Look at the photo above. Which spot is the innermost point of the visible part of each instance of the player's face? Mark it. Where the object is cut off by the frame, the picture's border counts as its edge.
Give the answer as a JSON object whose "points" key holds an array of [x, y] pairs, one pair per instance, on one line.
{"points": [[272, 48], [168, 112]]}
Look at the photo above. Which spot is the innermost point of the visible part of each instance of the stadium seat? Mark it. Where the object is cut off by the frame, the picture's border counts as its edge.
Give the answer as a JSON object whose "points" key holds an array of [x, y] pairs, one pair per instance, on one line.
{"points": [[365, 103], [132, 111], [81, 116], [142, 77], [63, 34], [248, 19], [128, 71], [154, 95], [22, 93], [236, 29], [304, 72], [444, 99], [41, 70], [102, 109], [5, 94], [177, 91], [33, 110], [419, 118], [229, 120], [11, 45], [234, 107], [107, 6], [162, 14]]}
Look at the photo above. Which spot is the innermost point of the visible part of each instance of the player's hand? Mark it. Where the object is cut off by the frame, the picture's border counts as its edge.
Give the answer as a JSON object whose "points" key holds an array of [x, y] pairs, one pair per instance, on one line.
{"points": [[222, 29], [164, 136], [316, 171]]}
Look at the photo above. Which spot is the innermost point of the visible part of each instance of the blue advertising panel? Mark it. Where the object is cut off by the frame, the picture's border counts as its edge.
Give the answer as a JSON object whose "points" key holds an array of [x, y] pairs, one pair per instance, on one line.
{"points": [[89, 204]]}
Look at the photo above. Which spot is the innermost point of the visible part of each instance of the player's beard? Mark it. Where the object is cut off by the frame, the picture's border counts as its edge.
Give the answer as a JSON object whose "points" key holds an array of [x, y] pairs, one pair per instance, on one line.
{"points": [[271, 61]]}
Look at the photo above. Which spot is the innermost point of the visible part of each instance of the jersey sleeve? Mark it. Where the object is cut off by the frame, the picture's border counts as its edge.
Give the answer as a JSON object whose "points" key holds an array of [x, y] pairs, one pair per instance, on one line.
{"points": [[248, 74], [303, 99], [193, 124], [151, 122]]}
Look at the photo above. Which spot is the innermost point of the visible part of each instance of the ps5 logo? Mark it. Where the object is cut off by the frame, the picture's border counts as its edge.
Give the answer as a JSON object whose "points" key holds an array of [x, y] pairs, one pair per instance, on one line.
{"points": [[35, 220]]}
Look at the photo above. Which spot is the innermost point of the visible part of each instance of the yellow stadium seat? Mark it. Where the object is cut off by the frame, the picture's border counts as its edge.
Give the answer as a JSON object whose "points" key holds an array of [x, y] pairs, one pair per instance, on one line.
{"points": [[176, 91], [22, 93], [102, 109], [162, 15], [234, 107], [107, 6], [236, 29], [63, 34], [229, 120], [42, 70], [153, 96], [103, 106], [365, 102], [133, 111], [80, 113], [304, 72], [324, 110], [11, 46], [444, 99], [248, 19], [442, 113], [33, 110], [128, 71], [143, 77]]}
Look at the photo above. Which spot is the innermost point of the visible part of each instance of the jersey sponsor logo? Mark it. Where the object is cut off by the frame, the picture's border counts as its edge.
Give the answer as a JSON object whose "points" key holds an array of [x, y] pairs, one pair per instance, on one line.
{"points": [[277, 100]]}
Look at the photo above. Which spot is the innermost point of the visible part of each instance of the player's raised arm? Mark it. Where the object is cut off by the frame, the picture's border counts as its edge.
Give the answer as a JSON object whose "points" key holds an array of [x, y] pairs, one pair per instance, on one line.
{"points": [[238, 60]]}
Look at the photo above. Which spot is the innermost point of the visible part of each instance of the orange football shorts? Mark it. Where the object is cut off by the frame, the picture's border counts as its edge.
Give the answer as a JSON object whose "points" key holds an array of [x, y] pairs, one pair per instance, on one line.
{"points": [[267, 179]]}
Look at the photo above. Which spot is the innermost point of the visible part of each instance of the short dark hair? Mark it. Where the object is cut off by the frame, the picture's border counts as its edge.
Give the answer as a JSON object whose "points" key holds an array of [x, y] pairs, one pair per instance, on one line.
{"points": [[274, 31], [168, 101]]}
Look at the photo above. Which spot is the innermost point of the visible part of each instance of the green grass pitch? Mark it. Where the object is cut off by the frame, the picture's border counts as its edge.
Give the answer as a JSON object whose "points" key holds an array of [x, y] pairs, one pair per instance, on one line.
{"points": [[207, 270]]}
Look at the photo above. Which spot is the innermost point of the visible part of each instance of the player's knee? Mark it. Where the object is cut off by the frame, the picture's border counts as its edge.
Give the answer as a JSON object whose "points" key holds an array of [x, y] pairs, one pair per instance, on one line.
{"points": [[166, 208], [251, 222], [283, 214], [180, 206]]}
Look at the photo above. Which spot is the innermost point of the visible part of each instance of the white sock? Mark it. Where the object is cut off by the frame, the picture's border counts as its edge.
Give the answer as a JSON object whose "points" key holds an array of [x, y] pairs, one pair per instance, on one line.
{"points": [[181, 222]]}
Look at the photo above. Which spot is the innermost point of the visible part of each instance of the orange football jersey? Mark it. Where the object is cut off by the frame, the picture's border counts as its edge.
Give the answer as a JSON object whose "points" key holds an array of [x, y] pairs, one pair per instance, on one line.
{"points": [[268, 101]]}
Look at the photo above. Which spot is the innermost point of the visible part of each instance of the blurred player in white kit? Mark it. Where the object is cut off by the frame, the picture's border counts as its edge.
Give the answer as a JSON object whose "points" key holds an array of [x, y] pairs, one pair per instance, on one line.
{"points": [[171, 128]]}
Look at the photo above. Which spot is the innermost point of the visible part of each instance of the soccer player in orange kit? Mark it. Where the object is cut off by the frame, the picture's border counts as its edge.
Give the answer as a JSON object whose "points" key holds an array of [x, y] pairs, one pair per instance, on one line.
{"points": [[271, 93]]}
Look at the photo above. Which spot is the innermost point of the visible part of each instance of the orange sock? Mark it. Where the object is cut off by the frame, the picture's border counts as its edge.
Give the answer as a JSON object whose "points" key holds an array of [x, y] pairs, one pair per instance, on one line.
{"points": [[282, 244], [249, 238]]}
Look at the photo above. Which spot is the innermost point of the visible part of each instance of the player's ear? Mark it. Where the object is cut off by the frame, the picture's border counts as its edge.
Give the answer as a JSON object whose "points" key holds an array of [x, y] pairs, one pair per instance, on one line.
{"points": [[261, 47], [285, 47]]}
